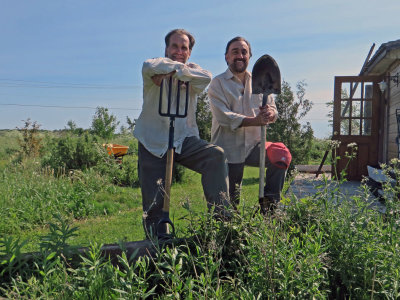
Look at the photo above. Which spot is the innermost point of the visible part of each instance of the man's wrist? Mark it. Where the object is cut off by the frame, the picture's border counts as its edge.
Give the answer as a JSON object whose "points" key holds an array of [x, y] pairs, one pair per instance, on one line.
{"points": [[250, 121]]}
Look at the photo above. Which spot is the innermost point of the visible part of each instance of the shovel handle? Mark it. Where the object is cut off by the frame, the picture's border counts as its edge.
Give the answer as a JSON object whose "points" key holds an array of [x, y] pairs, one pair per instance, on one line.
{"points": [[262, 163], [262, 153]]}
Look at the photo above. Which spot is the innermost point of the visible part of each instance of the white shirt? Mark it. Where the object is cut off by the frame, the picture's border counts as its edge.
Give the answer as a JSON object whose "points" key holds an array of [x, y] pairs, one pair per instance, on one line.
{"points": [[230, 103], [151, 129]]}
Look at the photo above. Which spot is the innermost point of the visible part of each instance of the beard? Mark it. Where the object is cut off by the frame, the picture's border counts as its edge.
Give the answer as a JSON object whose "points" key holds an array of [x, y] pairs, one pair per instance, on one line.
{"points": [[238, 66]]}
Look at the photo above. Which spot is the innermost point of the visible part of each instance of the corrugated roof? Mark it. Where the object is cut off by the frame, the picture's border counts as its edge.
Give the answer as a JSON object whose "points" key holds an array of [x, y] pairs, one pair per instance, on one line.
{"points": [[383, 58]]}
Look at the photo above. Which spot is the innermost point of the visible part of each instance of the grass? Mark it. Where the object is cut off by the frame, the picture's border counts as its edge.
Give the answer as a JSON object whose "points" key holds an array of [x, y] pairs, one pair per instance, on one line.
{"points": [[117, 211], [313, 248]]}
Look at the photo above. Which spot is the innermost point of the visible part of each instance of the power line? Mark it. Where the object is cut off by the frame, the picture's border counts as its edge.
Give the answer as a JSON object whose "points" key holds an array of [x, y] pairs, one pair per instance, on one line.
{"points": [[48, 84], [59, 106], [118, 108]]}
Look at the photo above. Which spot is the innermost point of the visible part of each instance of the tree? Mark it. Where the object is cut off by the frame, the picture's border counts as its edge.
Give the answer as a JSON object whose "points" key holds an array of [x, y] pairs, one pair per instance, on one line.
{"points": [[71, 125], [287, 129], [204, 116], [103, 123]]}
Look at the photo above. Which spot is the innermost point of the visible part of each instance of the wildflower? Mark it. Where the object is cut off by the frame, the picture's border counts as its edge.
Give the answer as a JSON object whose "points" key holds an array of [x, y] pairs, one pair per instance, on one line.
{"points": [[351, 145], [334, 144]]}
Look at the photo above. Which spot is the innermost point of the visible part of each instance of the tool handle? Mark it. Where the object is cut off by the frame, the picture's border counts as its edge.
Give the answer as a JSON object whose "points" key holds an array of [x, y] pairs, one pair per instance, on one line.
{"points": [[264, 99], [262, 163], [168, 178], [167, 187], [262, 153]]}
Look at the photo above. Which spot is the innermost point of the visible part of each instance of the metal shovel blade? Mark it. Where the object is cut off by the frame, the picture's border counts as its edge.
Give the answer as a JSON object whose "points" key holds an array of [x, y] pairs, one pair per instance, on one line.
{"points": [[266, 80], [266, 76]]}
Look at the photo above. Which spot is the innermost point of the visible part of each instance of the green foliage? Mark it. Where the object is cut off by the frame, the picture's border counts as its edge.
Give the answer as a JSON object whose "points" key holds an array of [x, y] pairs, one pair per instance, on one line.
{"points": [[324, 246], [204, 116], [131, 124], [315, 248], [30, 195], [104, 124], [11, 259], [73, 152], [287, 129], [72, 128], [56, 240], [30, 141], [318, 149]]}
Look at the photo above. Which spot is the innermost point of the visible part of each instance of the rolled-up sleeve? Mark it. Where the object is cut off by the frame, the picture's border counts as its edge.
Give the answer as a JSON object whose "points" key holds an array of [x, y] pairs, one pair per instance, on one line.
{"points": [[198, 77], [221, 108]]}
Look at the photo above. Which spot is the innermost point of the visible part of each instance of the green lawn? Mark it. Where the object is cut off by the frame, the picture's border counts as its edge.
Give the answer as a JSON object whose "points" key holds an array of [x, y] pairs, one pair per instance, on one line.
{"points": [[126, 224]]}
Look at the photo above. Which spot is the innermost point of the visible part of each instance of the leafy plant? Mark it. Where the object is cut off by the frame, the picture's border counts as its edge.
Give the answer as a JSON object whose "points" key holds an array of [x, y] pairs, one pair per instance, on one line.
{"points": [[30, 142], [287, 128], [104, 124]]}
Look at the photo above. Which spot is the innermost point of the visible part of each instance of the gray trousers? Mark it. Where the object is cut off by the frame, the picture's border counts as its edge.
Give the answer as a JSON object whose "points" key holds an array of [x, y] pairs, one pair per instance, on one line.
{"points": [[198, 155], [274, 177]]}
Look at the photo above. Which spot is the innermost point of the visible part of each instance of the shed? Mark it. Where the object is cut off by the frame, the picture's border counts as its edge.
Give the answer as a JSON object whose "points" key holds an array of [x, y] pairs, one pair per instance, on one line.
{"points": [[364, 112], [386, 63]]}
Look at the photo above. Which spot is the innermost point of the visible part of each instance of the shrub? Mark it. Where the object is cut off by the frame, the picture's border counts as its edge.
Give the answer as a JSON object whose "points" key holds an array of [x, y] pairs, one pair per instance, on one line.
{"points": [[73, 152], [30, 143]]}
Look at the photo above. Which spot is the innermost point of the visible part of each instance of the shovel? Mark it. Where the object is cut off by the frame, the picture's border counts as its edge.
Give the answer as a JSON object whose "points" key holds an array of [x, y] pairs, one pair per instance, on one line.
{"points": [[266, 80], [170, 153]]}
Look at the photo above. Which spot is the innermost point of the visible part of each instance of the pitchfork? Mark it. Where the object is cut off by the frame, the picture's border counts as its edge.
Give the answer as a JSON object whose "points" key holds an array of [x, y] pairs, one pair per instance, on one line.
{"points": [[170, 153]]}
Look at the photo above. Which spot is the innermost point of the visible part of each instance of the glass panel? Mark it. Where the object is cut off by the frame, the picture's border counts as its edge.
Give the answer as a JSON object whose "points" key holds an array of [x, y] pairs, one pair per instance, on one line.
{"points": [[345, 92], [344, 127], [355, 127], [368, 90], [356, 109], [366, 130], [367, 109], [355, 90], [345, 108]]}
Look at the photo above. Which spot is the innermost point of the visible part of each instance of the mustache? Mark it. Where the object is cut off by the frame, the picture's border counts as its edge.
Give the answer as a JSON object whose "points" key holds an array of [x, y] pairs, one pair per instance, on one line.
{"points": [[239, 59]]}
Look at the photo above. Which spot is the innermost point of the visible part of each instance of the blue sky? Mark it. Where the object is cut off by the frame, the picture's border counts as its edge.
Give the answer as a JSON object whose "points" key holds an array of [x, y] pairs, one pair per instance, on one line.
{"points": [[77, 55]]}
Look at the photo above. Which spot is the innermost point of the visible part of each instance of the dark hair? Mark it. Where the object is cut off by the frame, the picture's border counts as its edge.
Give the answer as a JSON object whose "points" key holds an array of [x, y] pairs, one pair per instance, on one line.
{"points": [[182, 32], [237, 39]]}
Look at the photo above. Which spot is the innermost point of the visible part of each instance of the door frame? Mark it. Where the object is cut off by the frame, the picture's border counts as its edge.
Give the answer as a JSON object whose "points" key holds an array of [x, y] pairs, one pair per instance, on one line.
{"points": [[353, 124]]}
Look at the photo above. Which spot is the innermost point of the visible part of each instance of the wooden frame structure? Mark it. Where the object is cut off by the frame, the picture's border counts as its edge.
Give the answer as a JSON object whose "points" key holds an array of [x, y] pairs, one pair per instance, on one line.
{"points": [[356, 113]]}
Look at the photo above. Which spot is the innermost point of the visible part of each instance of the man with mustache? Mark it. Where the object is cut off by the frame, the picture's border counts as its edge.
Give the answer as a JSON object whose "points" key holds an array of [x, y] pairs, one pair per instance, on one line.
{"points": [[152, 132], [237, 117]]}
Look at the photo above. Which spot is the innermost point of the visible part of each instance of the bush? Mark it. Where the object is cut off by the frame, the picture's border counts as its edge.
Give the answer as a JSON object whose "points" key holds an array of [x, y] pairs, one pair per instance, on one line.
{"points": [[30, 143], [72, 152]]}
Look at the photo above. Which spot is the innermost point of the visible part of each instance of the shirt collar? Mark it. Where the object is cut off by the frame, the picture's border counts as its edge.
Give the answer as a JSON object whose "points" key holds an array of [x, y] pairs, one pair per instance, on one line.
{"points": [[229, 75]]}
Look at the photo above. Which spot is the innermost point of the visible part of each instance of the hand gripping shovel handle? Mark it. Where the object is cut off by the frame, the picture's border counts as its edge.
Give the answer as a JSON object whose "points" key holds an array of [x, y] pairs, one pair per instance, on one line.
{"points": [[170, 153]]}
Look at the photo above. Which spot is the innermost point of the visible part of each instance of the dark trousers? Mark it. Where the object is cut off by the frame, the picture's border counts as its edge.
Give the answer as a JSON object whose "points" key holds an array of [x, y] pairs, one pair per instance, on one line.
{"points": [[274, 177], [198, 155]]}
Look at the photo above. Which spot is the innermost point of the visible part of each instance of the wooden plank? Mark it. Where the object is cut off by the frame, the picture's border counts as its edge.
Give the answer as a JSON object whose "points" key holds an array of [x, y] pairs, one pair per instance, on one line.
{"points": [[112, 251], [313, 168]]}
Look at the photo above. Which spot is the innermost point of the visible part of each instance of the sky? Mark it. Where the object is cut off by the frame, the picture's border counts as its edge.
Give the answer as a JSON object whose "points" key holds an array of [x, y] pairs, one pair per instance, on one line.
{"points": [[59, 60]]}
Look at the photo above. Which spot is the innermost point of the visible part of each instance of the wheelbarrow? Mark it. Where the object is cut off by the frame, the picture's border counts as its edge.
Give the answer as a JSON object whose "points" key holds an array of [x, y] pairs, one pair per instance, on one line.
{"points": [[116, 150]]}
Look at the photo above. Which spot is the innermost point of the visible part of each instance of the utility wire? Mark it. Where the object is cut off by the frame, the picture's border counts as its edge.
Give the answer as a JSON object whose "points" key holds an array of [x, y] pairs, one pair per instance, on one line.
{"points": [[48, 84], [121, 108], [59, 106]]}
